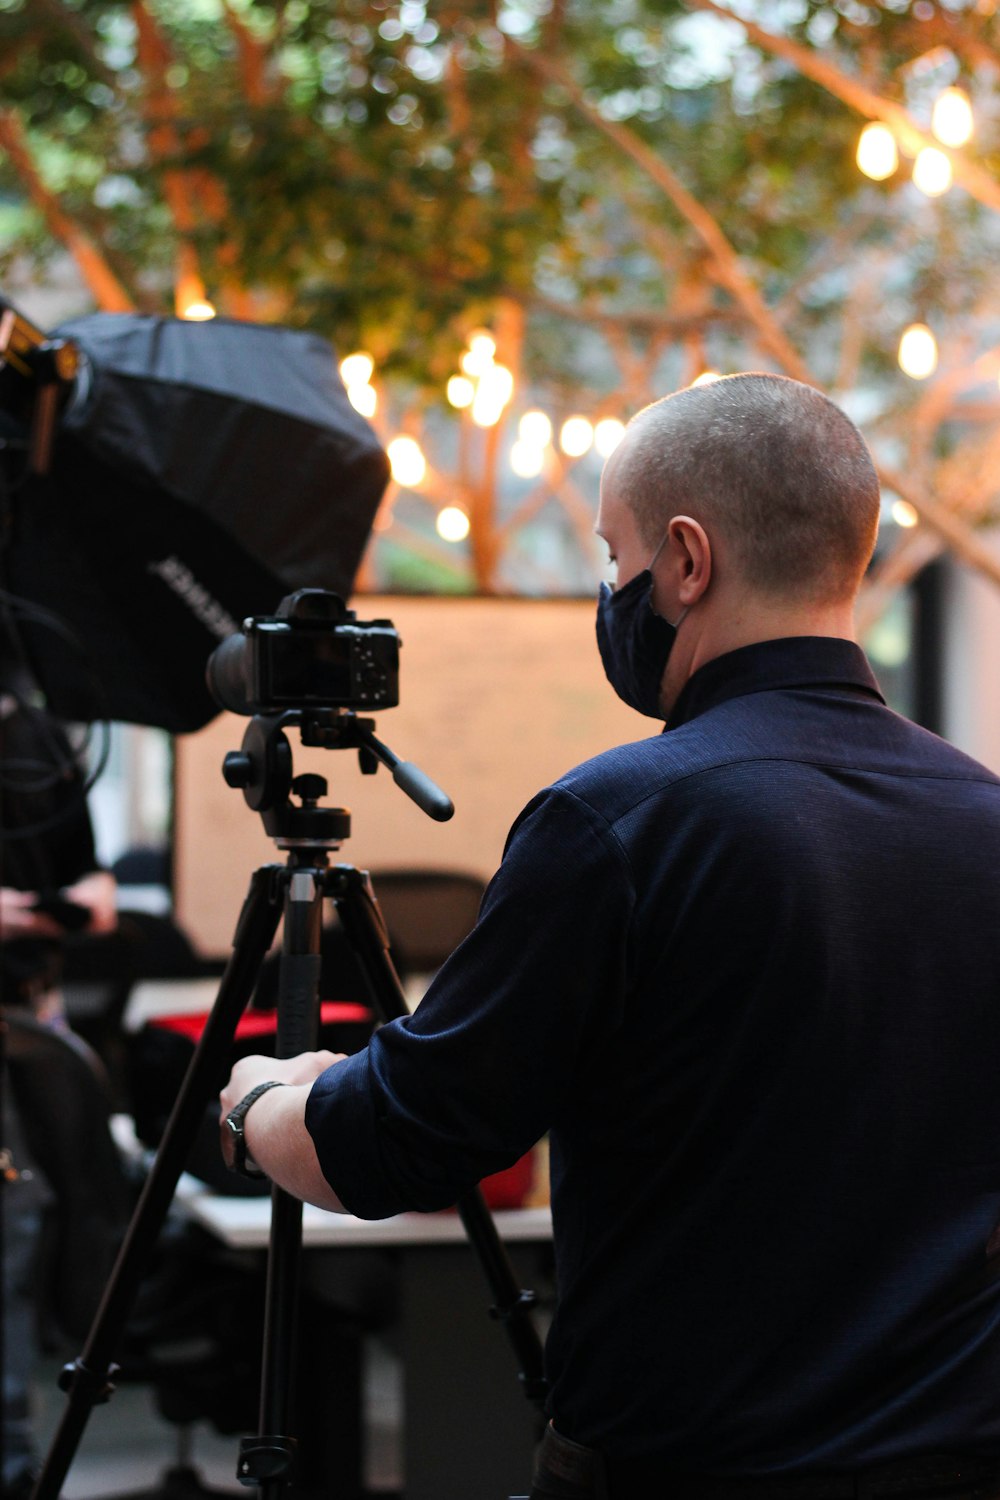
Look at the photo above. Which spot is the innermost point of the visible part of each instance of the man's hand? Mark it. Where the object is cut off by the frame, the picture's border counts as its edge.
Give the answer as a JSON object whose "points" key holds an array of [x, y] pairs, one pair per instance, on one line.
{"points": [[274, 1128], [250, 1071]]}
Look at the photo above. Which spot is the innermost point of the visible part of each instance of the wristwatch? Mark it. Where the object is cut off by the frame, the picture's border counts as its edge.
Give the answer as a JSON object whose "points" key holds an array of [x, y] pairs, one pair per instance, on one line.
{"points": [[234, 1122]]}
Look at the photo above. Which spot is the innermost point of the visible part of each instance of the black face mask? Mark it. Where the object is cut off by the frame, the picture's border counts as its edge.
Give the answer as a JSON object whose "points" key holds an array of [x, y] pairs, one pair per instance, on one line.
{"points": [[634, 643]]}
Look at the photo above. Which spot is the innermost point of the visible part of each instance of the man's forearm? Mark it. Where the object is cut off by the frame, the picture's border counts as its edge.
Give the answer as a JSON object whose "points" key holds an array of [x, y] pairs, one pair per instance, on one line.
{"points": [[274, 1127], [279, 1143]]}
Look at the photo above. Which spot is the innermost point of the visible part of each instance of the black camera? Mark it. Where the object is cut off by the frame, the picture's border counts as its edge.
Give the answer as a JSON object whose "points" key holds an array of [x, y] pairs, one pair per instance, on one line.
{"points": [[313, 653]]}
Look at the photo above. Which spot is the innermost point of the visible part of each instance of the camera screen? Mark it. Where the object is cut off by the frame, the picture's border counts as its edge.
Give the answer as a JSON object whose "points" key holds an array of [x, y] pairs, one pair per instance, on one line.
{"points": [[309, 667]]}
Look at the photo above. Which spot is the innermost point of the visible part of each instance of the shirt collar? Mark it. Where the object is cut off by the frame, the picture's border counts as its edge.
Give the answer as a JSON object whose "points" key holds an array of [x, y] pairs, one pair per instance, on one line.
{"points": [[790, 662]]}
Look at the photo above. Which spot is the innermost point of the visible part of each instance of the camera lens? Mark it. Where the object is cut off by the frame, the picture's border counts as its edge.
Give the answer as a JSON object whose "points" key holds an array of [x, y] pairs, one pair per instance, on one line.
{"points": [[226, 675]]}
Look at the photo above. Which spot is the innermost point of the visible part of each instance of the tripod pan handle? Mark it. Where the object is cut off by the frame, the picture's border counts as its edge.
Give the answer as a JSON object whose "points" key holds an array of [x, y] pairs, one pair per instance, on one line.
{"points": [[423, 791]]}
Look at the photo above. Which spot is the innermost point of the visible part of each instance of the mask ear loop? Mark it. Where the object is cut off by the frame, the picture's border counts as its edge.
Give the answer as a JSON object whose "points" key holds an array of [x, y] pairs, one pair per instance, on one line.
{"points": [[674, 624]]}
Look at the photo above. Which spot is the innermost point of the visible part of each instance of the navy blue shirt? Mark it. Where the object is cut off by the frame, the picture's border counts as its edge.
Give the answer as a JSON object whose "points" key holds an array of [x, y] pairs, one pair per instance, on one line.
{"points": [[747, 973]]}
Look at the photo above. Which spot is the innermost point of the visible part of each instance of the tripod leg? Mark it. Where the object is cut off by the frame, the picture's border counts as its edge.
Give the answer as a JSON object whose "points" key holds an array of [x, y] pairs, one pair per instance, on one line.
{"points": [[89, 1379], [366, 931], [267, 1459]]}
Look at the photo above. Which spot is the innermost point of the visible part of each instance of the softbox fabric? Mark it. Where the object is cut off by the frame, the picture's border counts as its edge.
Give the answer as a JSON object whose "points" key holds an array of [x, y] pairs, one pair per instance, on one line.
{"points": [[200, 472]]}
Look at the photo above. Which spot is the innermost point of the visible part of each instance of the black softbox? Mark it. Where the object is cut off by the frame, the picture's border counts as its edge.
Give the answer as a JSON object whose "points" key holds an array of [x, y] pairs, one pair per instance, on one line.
{"points": [[200, 472]]}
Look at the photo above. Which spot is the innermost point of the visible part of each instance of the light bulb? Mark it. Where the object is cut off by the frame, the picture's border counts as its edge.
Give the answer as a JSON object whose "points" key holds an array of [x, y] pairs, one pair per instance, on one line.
{"points": [[527, 459], [198, 311], [363, 398], [357, 369], [406, 461], [707, 377], [452, 524], [535, 429], [903, 514], [496, 386], [932, 172], [607, 435], [918, 352], [576, 436], [478, 358], [460, 391], [877, 154], [482, 344], [951, 118]]}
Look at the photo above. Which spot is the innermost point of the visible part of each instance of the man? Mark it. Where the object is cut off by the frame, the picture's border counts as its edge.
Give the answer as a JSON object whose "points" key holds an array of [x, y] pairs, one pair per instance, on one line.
{"points": [[747, 973]]}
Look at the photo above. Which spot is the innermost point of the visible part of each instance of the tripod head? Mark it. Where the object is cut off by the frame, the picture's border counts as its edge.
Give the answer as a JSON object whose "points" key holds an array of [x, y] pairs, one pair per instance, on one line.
{"points": [[262, 769]]}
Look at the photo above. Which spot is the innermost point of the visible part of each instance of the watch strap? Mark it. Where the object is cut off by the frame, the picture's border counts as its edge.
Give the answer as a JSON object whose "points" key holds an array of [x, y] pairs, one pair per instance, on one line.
{"points": [[234, 1121]]}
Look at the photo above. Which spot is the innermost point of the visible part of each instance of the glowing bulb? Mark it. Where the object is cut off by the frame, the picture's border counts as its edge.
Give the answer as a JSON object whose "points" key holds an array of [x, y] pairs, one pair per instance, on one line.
{"points": [[452, 524], [406, 461], [951, 119], [903, 514], [499, 382], [918, 352], [576, 436], [707, 377], [527, 459], [535, 429], [198, 311], [460, 391], [357, 369], [478, 358], [482, 344], [607, 435], [932, 172], [877, 154], [496, 386], [363, 399]]}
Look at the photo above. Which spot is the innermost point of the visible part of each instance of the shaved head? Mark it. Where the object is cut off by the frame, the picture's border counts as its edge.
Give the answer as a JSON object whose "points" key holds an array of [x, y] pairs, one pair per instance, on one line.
{"points": [[772, 467]]}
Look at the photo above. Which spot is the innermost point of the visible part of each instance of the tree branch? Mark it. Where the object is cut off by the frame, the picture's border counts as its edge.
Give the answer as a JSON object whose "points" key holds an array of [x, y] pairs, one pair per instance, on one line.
{"points": [[254, 58], [973, 178], [103, 284], [730, 273]]}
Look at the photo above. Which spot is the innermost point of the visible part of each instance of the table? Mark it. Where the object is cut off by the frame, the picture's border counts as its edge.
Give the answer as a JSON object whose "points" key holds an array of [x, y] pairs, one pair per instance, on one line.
{"points": [[469, 1431]]}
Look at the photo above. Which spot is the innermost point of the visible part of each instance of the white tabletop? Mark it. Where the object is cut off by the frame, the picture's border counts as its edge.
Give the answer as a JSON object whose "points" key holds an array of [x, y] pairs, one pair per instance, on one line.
{"points": [[245, 1223]]}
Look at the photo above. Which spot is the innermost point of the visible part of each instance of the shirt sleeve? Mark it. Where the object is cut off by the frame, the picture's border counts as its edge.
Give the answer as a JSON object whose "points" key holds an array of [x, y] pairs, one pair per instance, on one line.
{"points": [[487, 1062]]}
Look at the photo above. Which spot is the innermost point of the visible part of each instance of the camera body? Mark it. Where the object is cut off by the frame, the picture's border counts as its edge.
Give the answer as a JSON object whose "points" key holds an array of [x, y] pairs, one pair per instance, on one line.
{"points": [[312, 653]]}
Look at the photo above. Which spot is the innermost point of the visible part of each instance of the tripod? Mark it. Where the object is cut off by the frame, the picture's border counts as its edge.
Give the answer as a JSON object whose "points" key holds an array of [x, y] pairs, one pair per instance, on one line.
{"points": [[308, 833]]}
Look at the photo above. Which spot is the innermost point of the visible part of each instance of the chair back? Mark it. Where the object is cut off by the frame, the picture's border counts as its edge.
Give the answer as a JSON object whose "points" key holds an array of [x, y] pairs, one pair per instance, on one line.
{"points": [[427, 912], [60, 1091]]}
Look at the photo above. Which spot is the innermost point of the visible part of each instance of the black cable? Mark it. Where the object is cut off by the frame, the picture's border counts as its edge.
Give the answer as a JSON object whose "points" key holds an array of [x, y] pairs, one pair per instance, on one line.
{"points": [[61, 766]]}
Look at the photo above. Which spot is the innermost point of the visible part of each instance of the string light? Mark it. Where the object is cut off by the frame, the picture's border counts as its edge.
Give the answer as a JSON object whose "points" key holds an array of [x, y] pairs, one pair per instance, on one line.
{"points": [[363, 398], [483, 345], [607, 435], [576, 437], [951, 118], [918, 353], [707, 377], [527, 459], [535, 429], [495, 388], [932, 172], [904, 515], [199, 311], [452, 524], [478, 358], [407, 462], [357, 369], [877, 153], [460, 391]]}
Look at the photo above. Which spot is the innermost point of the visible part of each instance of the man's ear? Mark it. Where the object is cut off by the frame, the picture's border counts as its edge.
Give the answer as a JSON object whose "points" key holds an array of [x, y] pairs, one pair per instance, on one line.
{"points": [[690, 554]]}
